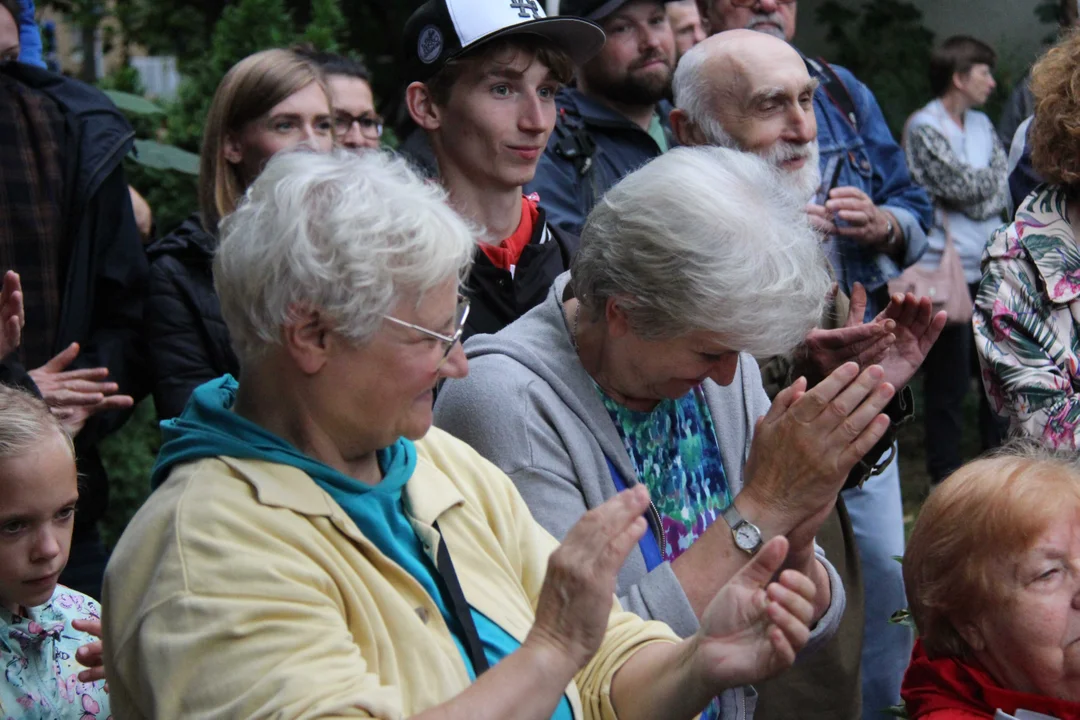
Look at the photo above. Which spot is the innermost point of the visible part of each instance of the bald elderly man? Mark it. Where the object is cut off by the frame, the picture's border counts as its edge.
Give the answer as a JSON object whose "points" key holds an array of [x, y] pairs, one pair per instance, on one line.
{"points": [[752, 91]]}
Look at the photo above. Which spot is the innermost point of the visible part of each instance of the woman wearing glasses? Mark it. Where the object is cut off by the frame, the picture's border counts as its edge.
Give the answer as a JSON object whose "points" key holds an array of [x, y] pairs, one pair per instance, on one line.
{"points": [[268, 102], [312, 550], [357, 126]]}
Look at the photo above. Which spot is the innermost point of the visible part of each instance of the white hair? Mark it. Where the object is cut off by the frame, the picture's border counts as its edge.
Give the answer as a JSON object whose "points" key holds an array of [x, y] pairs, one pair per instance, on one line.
{"points": [[705, 238], [349, 234], [25, 422], [692, 90]]}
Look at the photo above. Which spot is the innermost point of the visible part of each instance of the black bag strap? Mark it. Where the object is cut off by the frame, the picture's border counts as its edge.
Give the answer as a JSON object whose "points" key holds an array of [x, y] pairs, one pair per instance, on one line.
{"points": [[460, 606], [835, 89], [574, 143]]}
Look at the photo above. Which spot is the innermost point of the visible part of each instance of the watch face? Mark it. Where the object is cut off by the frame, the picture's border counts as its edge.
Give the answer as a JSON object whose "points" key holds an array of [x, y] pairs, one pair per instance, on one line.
{"points": [[747, 537]]}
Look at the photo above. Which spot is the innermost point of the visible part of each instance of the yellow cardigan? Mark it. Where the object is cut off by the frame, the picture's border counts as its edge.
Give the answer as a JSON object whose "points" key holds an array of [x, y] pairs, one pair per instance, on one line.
{"points": [[241, 589]]}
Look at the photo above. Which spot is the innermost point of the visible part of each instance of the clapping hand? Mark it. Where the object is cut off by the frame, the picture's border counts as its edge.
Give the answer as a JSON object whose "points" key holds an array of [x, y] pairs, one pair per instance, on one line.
{"points": [[75, 395], [12, 315], [916, 328], [753, 628]]}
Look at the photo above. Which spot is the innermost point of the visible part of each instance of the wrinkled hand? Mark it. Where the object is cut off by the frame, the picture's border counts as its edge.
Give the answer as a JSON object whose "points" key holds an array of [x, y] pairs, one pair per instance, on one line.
{"points": [[90, 655], [753, 628], [805, 446], [12, 314], [75, 395], [916, 328], [863, 221], [576, 598], [865, 343]]}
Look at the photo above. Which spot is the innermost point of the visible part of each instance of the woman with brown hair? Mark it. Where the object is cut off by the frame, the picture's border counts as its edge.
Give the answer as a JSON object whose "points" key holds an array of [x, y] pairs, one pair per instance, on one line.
{"points": [[1027, 309], [268, 102]]}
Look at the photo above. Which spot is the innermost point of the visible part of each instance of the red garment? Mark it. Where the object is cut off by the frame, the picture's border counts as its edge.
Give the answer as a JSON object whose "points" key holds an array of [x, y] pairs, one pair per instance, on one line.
{"points": [[953, 689], [508, 252]]}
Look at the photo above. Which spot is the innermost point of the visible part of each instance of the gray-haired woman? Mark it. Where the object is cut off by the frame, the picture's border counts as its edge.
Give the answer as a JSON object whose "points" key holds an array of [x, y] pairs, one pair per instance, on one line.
{"points": [[638, 370], [303, 557]]}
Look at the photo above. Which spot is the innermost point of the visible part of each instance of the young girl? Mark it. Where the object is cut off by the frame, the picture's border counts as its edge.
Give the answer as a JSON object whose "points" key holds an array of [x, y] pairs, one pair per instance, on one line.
{"points": [[46, 630]]}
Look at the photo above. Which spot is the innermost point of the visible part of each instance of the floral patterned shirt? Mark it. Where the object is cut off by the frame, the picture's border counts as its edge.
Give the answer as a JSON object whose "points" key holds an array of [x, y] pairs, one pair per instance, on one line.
{"points": [[40, 671], [1026, 316]]}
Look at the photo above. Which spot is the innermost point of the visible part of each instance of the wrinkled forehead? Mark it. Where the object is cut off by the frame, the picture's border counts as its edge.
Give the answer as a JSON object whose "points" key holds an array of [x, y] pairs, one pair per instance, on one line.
{"points": [[772, 67]]}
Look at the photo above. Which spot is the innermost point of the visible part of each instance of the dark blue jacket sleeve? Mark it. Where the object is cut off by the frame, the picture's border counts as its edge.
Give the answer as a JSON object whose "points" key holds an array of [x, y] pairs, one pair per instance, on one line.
{"points": [[30, 51], [891, 184], [560, 191], [1023, 179]]}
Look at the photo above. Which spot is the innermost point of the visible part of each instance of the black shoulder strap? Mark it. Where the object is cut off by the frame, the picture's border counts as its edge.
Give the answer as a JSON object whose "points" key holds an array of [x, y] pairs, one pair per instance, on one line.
{"points": [[473, 646], [835, 89], [574, 142]]}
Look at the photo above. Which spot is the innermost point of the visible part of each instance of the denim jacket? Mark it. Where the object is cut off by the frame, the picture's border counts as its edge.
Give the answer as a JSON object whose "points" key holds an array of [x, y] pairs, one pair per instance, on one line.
{"points": [[621, 147], [871, 160]]}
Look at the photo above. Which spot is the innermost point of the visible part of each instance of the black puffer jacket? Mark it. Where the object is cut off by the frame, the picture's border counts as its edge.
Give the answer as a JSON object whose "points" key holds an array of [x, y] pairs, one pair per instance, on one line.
{"points": [[189, 343]]}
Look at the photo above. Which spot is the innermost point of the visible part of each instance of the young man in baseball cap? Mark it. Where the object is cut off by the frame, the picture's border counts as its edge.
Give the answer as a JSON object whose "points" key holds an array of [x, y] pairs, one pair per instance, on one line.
{"points": [[616, 119], [484, 76]]}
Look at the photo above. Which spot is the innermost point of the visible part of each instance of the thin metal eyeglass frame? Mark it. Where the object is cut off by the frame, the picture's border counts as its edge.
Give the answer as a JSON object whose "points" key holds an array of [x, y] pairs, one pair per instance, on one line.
{"points": [[450, 340]]}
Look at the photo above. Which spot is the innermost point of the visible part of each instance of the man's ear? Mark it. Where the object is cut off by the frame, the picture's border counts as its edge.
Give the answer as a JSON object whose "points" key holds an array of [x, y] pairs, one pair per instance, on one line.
{"points": [[234, 154], [306, 337], [422, 108], [686, 130]]}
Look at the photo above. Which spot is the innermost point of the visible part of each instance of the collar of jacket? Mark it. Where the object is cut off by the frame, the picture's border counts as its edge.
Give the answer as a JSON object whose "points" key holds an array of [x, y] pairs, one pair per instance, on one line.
{"points": [[290, 488], [597, 113], [1043, 230]]}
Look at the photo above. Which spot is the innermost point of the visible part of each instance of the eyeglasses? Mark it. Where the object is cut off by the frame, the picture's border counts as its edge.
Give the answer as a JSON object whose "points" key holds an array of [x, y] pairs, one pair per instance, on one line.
{"points": [[460, 316], [371, 126], [752, 3]]}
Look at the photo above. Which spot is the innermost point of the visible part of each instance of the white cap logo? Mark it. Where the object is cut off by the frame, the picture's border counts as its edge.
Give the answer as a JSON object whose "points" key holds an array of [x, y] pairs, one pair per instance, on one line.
{"points": [[429, 46], [525, 7]]}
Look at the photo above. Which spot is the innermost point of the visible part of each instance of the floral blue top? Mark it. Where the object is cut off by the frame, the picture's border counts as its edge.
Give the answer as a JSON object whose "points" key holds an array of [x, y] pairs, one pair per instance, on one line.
{"points": [[674, 450], [40, 671]]}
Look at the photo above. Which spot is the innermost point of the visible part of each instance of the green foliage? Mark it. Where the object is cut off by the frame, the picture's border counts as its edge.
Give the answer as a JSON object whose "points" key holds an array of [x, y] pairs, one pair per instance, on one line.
{"points": [[886, 45], [327, 27], [128, 456]]}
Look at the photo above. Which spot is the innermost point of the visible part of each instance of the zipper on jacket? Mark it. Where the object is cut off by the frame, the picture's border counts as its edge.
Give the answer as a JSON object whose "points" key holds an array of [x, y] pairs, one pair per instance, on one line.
{"points": [[660, 539]]}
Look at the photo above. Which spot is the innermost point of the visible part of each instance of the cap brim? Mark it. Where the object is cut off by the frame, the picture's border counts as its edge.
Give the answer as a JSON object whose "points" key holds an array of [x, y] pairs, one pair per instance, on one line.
{"points": [[579, 38]]}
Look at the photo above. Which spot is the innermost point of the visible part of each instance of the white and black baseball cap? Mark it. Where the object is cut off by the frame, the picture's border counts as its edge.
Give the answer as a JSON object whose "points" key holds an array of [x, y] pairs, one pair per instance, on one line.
{"points": [[441, 30]]}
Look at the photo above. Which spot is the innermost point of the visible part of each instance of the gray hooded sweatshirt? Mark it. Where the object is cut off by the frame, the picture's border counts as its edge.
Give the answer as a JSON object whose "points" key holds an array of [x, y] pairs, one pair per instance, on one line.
{"points": [[530, 408]]}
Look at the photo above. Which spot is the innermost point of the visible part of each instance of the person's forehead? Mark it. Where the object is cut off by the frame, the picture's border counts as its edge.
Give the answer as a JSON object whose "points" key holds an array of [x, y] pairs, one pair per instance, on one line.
{"points": [[309, 98], [755, 68], [683, 12], [9, 30], [350, 91]]}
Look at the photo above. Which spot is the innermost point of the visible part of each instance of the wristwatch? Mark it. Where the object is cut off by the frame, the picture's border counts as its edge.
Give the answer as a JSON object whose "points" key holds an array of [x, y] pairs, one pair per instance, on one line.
{"points": [[746, 534]]}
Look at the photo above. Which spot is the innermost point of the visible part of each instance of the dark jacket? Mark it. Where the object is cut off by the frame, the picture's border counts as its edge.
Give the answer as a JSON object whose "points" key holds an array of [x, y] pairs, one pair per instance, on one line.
{"points": [[593, 147], [105, 266], [189, 343], [498, 298]]}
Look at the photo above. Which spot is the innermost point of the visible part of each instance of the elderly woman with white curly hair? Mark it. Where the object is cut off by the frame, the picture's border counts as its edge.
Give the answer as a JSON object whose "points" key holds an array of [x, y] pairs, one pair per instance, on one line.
{"points": [[638, 370], [311, 550]]}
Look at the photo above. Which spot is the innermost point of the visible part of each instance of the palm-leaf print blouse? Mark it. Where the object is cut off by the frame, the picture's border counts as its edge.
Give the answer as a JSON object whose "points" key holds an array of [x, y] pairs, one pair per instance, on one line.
{"points": [[1026, 316]]}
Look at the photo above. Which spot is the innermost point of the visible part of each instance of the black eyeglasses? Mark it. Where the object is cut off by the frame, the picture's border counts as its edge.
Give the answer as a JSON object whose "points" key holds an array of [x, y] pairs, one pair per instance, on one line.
{"points": [[371, 126], [460, 316]]}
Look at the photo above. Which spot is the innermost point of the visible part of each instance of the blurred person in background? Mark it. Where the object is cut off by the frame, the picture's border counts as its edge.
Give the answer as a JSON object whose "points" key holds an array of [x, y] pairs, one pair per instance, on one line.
{"points": [[270, 101]]}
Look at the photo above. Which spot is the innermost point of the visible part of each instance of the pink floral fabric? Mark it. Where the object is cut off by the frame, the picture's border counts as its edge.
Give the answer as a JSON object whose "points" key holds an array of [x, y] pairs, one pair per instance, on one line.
{"points": [[38, 657]]}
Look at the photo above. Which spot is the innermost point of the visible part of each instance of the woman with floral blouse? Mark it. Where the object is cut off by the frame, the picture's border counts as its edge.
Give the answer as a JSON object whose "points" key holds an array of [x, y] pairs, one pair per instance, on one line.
{"points": [[1027, 309]]}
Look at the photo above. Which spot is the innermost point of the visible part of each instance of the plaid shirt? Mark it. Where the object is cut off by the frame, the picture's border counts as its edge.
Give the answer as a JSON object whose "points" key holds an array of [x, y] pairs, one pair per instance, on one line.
{"points": [[32, 132]]}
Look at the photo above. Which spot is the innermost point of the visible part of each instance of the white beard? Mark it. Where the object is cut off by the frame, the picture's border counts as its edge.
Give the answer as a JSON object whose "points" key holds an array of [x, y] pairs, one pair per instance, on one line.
{"points": [[804, 182]]}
